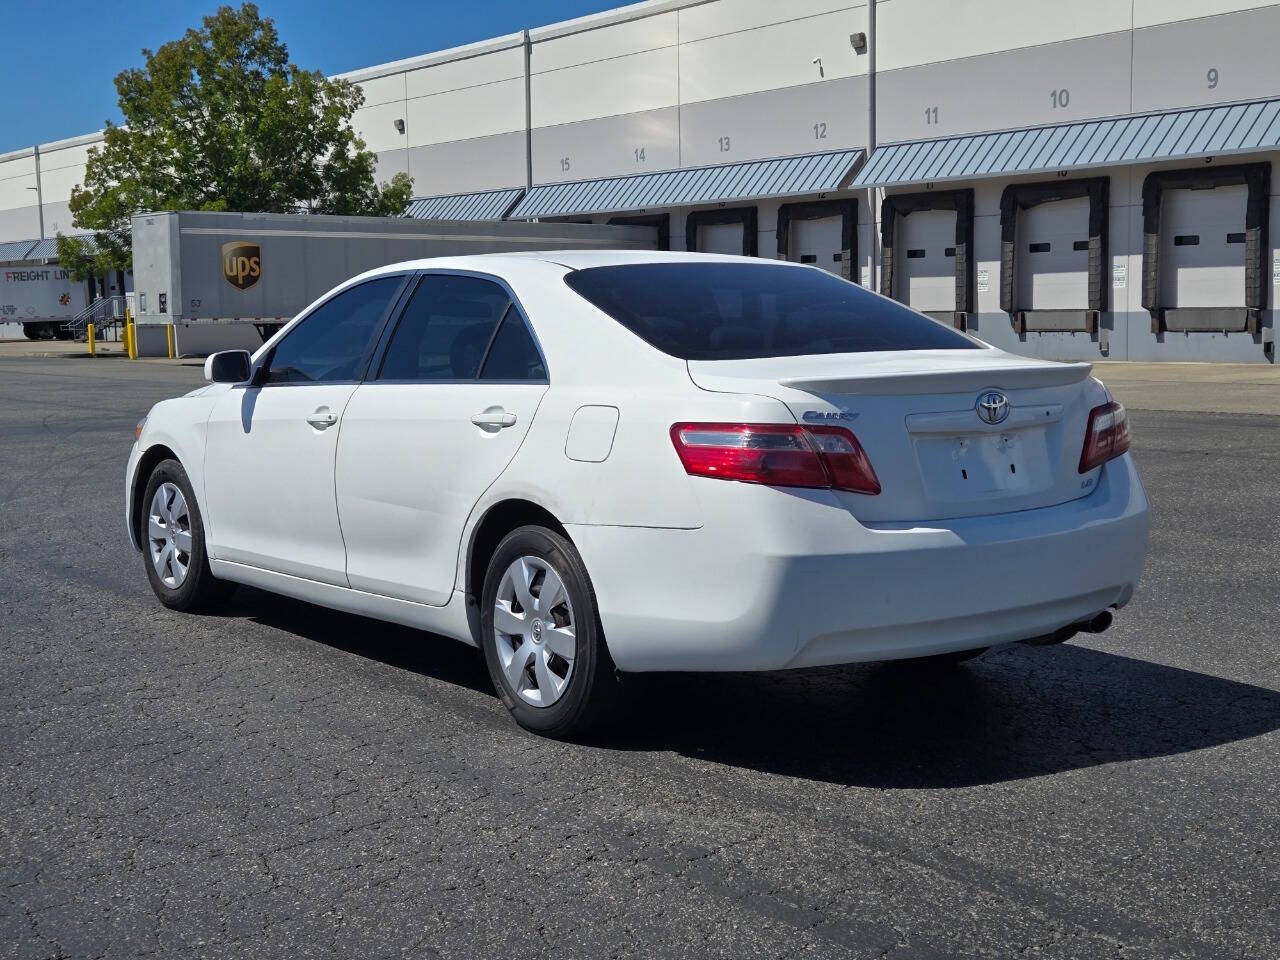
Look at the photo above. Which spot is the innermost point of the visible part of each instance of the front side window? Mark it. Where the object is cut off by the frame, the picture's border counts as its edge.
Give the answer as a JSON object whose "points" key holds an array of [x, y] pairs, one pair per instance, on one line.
{"points": [[331, 342], [739, 311], [447, 331]]}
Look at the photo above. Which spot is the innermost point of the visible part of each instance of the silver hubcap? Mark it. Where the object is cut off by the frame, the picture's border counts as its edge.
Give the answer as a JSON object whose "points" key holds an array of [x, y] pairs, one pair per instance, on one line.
{"points": [[169, 535], [534, 629]]}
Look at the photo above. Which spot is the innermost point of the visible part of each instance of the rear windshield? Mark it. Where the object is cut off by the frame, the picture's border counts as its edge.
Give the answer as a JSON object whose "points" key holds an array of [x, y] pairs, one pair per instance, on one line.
{"points": [[742, 311]]}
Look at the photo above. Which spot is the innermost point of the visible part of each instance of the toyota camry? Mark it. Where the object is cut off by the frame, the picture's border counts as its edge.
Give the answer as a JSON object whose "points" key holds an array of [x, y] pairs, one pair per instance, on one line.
{"points": [[596, 463]]}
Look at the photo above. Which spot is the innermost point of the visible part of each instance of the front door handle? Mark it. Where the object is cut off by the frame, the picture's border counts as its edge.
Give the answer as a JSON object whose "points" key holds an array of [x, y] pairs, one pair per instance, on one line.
{"points": [[494, 418], [323, 418]]}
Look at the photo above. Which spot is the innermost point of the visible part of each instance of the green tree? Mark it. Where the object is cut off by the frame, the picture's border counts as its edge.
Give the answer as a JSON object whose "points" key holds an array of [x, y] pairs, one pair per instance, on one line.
{"points": [[221, 120]]}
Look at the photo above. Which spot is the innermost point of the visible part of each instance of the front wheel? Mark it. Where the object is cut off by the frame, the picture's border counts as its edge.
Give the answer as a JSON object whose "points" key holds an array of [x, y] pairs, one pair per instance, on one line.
{"points": [[173, 545], [541, 635]]}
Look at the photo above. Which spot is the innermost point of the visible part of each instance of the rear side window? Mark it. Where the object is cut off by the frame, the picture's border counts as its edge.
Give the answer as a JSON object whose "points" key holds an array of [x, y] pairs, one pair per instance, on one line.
{"points": [[331, 342], [445, 329], [740, 311], [513, 355]]}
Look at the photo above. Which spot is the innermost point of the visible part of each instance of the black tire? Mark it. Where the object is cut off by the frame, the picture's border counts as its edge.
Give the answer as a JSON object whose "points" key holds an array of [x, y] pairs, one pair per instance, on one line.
{"points": [[593, 693], [200, 590]]}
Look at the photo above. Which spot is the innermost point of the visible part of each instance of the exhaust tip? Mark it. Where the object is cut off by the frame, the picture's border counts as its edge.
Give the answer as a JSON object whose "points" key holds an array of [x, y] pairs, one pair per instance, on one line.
{"points": [[1098, 623]]}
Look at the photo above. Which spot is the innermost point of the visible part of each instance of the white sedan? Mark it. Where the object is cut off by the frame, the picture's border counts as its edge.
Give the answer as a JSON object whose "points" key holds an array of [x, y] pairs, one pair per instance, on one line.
{"points": [[591, 463]]}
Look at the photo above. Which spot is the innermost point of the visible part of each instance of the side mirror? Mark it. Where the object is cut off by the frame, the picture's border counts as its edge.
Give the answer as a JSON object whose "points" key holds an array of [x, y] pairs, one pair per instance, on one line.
{"points": [[229, 366]]}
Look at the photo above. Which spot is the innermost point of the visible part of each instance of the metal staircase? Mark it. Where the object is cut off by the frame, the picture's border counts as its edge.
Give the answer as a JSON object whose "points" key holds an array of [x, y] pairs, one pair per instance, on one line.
{"points": [[107, 316]]}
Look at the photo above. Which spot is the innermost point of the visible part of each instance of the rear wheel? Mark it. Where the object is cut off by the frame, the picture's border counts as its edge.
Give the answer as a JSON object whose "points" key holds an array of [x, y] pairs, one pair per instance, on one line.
{"points": [[173, 545], [541, 635]]}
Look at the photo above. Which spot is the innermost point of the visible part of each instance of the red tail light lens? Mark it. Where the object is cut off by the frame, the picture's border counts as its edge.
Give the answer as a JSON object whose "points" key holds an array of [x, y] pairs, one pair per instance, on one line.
{"points": [[1106, 437], [781, 455], [845, 460]]}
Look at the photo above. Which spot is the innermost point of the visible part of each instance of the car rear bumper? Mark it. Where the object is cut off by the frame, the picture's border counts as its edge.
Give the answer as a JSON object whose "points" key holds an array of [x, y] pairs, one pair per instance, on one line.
{"points": [[788, 578]]}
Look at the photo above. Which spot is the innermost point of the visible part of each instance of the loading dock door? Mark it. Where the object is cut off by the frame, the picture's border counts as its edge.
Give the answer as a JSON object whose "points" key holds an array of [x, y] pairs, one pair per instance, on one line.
{"points": [[818, 242], [1053, 256], [926, 247], [1206, 248], [1202, 247], [720, 238]]}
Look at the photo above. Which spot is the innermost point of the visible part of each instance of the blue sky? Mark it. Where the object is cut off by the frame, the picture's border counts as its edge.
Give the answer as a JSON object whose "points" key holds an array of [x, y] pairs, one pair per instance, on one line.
{"points": [[59, 57]]}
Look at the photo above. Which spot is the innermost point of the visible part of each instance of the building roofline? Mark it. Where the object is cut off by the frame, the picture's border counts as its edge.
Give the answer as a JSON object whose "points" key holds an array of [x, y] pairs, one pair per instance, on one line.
{"points": [[551, 31], [466, 52]]}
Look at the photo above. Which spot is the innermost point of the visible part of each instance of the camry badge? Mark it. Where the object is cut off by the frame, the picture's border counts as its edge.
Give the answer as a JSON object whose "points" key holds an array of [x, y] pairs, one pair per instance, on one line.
{"points": [[822, 416], [992, 407]]}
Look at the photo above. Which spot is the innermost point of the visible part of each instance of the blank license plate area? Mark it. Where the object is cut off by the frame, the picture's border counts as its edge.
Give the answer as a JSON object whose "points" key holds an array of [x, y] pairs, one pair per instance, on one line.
{"points": [[984, 466]]}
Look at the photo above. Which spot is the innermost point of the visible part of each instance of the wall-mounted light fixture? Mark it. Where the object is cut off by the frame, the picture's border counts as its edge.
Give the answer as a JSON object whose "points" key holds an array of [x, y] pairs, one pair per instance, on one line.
{"points": [[399, 125], [859, 42]]}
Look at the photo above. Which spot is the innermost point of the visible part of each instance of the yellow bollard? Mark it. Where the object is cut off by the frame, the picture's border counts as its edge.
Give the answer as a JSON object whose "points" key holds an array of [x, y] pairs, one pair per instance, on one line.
{"points": [[131, 340], [92, 347], [169, 334]]}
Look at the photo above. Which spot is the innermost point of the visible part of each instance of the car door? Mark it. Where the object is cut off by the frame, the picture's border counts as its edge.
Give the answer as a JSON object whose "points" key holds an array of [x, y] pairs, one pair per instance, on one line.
{"points": [[271, 443], [430, 429]]}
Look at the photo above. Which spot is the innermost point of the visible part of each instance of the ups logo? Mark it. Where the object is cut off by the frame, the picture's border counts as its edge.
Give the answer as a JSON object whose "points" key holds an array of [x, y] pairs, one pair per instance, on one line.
{"points": [[241, 264]]}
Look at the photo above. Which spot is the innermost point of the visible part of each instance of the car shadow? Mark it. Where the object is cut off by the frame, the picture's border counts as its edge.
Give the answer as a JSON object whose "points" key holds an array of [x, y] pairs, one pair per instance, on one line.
{"points": [[1016, 713], [404, 648]]}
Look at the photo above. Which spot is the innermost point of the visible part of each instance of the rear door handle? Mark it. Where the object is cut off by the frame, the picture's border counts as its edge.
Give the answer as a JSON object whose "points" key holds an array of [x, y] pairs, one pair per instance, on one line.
{"points": [[494, 417], [323, 418]]}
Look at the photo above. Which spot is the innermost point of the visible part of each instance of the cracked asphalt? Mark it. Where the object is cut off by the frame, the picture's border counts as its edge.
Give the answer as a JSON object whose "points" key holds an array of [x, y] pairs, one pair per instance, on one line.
{"points": [[283, 781]]}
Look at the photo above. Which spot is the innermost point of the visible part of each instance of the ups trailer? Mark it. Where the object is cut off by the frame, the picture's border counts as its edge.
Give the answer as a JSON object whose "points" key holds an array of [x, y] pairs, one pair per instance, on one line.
{"points": [[230, 280]]}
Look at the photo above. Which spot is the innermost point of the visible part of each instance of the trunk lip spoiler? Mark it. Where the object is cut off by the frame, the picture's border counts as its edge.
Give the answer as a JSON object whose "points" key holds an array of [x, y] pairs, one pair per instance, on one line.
{"points": [[950, 380]]}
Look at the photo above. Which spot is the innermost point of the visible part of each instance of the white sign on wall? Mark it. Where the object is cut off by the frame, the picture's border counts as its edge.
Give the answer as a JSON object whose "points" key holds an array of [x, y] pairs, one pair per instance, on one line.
{"points": [[1275, 271], [1119, 275], [983, 282]]}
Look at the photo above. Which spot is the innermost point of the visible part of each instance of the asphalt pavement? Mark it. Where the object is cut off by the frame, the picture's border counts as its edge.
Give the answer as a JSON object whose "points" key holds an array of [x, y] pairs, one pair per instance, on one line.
{"points": [[284, 781]]}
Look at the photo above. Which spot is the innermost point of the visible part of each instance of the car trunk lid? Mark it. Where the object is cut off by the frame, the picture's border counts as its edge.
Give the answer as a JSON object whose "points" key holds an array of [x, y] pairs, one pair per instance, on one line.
{"points": [[916, 413]]}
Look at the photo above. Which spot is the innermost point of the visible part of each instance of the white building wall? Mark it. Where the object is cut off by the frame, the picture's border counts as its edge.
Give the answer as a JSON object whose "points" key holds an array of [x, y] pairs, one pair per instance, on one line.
{"points": [[19, 216], [671, 83]]}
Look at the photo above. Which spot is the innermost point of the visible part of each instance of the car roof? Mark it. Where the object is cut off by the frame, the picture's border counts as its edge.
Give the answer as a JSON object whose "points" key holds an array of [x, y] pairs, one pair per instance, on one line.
{"points": [[570, 259]]}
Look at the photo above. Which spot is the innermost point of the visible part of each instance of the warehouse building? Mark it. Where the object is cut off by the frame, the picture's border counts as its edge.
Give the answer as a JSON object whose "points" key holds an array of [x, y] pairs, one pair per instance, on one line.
{"points": [[1073, 181]]}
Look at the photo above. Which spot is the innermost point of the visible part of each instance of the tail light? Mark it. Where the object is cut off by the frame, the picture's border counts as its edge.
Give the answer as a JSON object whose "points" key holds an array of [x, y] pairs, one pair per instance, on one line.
{"points": [[778, 454], [1106, 437]]}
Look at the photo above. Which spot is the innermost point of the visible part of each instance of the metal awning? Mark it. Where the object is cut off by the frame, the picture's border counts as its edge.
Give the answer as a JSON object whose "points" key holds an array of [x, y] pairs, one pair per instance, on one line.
{"points": [[15, 250], [48, 249], [485, 205], [35, 251], [1140, 138], [779, 177]]}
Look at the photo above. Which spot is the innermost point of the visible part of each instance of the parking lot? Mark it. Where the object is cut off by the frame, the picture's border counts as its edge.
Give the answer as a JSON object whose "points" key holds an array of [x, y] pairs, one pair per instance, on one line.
{"points": [[287, 781]]}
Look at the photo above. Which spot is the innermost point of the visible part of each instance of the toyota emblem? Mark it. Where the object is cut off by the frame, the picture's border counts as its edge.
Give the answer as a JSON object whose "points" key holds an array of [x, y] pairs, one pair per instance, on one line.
{"points": [[992, 407]]}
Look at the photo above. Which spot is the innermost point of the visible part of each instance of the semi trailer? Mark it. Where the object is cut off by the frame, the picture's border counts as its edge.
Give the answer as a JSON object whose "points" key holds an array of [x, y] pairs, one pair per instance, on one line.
{"points": [[40, 300], [229, 280]]}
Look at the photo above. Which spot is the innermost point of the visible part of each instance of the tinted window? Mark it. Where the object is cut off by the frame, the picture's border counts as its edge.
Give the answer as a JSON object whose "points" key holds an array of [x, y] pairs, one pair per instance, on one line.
{"points": [[331, 341], [513, 355], [445, 329], [734, 311]]}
